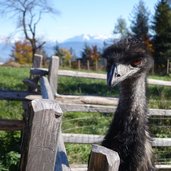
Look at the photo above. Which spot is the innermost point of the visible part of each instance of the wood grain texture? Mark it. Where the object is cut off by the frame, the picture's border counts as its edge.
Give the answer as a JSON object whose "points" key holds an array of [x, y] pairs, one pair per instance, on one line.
{"points": [[103, 159], [46, 90], [37, 63], [45, 124], [53, 74]]}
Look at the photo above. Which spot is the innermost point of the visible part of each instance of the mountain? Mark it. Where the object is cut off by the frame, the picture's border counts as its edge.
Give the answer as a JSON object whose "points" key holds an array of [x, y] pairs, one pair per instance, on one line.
{"points": [[77, 43]]}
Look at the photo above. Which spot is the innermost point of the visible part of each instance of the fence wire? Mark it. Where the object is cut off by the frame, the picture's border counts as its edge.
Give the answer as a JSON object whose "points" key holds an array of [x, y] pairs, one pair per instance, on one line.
{"points": [[97, 123]]}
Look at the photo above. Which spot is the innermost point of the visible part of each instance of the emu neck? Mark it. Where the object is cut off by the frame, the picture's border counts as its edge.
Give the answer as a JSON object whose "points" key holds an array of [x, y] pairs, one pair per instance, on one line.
{"points": [[133, 95]]}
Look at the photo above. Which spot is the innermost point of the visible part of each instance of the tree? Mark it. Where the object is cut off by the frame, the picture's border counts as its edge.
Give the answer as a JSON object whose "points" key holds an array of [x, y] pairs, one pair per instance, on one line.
{"points": [[121, 27], [140, 21], [86, 56], [64, 55], [27, 14], [22, 52], [162, 38], [95, 55], [90, 56]]}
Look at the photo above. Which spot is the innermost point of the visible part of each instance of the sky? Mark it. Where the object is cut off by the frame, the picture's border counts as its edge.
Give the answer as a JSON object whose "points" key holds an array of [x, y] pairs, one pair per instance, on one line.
{"points": [[76, 17]]}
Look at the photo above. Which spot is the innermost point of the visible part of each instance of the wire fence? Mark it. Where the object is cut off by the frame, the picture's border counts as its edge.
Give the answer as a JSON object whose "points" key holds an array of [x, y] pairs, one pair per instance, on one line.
{"points": [[98, 123]]}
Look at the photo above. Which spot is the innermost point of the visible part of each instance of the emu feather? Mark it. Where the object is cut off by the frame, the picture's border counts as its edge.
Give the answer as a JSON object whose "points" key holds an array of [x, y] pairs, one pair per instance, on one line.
{"points": [[128, 62]]}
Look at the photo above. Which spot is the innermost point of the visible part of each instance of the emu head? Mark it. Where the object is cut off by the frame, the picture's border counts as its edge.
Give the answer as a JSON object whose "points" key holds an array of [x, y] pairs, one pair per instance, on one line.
{"points": [[125, 59]]}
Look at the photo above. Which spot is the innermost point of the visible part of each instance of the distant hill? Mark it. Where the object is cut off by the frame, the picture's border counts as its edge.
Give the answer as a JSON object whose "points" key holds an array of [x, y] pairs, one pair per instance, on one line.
{"points": [[77, 43]]}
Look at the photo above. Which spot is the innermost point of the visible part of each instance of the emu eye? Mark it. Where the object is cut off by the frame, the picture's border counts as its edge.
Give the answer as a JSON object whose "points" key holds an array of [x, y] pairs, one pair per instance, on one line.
{"points": [[136, 63]]}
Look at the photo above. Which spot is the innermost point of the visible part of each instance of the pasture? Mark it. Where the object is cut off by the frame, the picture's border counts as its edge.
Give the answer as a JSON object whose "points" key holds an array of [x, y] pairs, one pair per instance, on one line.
{"points": [[77, 122]]}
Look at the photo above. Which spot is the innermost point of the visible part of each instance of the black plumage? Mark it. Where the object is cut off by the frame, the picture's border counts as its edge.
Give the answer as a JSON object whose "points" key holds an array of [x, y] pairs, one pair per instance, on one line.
{"points": [[128, 62]]}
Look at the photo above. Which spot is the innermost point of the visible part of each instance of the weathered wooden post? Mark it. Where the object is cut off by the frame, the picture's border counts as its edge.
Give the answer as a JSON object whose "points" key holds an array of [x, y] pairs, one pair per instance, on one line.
{"points": [[79, 64], [32, 82], [61, 163], [37, 62], [88, 65], [41, 132], [53, 74], [168, 66], [103, 159]]}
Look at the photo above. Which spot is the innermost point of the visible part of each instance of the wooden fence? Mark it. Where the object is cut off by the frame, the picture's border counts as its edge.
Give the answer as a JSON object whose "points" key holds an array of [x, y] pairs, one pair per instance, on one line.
{"points": [[42, 141]]}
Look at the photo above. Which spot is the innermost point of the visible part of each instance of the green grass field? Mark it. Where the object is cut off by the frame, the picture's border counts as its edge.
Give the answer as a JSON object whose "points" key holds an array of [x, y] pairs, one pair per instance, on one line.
{"points": [[73, 122]]}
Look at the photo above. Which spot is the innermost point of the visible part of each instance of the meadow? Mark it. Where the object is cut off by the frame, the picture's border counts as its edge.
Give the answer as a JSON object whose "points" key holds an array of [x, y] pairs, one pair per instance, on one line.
{"points": [[74, 122]]}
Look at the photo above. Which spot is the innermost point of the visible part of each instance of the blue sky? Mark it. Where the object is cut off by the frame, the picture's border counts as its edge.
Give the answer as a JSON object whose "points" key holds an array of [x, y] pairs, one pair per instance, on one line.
{"points": [[95, 17]]}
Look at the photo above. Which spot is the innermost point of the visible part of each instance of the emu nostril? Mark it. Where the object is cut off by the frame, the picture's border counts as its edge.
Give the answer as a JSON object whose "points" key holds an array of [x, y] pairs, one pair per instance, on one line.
{"points": [[117, 75]]}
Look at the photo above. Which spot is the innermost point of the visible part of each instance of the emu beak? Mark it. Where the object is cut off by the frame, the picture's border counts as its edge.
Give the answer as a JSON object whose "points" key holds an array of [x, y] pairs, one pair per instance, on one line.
{"points": [[118, 73], [111, 74]]}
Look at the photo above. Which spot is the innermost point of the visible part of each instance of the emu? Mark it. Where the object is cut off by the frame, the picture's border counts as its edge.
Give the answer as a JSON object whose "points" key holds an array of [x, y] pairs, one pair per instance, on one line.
{"points": [[128, 62]]}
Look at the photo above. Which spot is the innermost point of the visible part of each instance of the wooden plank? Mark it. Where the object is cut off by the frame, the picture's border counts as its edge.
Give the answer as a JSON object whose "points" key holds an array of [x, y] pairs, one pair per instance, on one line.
{"points": [[37, 62], [97, 100], [81, 74], [159, 82], [83, 167], [39, 71], [82, 138], [11, 125], [103, 77], [103, 159], [161, 142], [17, 95], [106, 109], [78, 167], [44, 124], [86, 108], [160, 112], [92, 139], [46, 91], [163, 167], [53, 74], [61, 162]]}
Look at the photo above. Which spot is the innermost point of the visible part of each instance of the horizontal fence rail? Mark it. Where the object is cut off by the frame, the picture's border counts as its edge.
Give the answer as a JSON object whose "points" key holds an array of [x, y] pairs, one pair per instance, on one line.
{"points": [[67, 73], [93, 139]]}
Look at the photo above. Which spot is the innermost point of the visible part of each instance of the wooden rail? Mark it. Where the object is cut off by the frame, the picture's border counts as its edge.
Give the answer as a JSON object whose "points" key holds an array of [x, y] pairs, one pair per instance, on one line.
{"points": [[43, 141], [67, 73], [97, 139]]}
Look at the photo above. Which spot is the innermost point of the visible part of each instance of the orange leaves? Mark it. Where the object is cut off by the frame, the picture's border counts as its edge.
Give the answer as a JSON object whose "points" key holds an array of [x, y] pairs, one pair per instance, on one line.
{"points": [[22, 52]]}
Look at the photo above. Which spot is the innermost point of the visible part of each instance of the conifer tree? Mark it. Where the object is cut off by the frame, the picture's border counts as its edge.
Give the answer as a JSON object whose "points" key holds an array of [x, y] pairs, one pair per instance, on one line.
{"points": [[140, 21], [162, 37], [121, 28]]}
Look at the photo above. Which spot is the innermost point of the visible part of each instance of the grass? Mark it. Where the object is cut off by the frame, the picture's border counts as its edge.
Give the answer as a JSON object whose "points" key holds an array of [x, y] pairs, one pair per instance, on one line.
{"points": [[11, 78], [77, 122]]}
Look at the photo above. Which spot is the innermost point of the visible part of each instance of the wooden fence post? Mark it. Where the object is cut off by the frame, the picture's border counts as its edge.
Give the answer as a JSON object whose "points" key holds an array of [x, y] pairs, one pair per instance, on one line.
{"points": [[53, 73], [103, 159], [41, 132], [168, 66], [79, 64], [37, 62], [61, 163]]}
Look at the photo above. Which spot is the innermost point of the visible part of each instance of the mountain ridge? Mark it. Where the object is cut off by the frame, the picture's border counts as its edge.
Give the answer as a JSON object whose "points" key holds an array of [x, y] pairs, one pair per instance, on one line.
{"points": [[77, 43]]}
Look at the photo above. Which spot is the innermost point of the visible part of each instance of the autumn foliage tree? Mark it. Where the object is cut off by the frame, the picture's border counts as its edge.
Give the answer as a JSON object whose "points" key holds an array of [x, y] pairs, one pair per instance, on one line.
{"points": [[22, 52], [64, 54], [91, 56]]}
